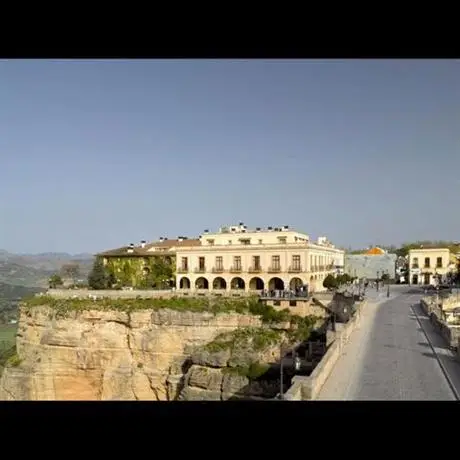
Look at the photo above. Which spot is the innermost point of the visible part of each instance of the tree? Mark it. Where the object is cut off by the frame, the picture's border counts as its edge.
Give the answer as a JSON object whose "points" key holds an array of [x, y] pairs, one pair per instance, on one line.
{"points": [[330, 282], [160, 274], [71, 270], [98, 278], [55, 281]]}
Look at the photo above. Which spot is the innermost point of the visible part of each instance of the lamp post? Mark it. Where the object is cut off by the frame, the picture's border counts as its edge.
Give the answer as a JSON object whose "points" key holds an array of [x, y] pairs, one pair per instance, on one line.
{"points": [[388, 284], [378, 281]]}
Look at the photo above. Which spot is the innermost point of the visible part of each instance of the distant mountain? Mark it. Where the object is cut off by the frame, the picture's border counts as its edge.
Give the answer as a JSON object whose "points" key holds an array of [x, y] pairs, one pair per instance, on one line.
{"points": [[48, 261], [10, 296]]}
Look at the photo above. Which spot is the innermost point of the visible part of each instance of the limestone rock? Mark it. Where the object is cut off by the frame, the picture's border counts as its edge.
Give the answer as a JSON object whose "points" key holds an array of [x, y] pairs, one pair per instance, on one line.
{"points": [[112, 355]]}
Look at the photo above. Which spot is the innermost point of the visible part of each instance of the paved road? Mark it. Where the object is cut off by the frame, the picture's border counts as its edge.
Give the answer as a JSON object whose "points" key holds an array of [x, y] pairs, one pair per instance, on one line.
{"points": [[389, 357]]}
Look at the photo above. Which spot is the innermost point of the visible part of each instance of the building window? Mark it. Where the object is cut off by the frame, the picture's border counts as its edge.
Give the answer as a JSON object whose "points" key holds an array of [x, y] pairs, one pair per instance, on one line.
{"points": [[427, 262], [256, 262], [439, 262], [219, 263], [245, 241], [415, 262], [260, 241], [282, 240], [276, 262], [201, 264], [237, 262], [210, 242], [184, 263], [296, 262]]}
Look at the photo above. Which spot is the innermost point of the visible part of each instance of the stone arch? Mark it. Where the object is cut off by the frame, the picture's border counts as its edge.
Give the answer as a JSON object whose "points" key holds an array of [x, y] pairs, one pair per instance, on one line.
{"points": [[219, 283], [276, 284], [296, 283], [256, 284], [202, 283], [184, 283], [237, 283]]}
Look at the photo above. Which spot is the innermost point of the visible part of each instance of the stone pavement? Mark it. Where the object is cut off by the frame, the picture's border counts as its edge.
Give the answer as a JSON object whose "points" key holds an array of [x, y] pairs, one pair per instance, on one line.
{"points": [[388, 356]]}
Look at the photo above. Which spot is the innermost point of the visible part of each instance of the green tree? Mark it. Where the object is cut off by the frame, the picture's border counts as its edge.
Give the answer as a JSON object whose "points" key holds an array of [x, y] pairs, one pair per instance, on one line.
{"points": [[161, 274], [55, 281], [330, 282], [98, 278], [72, 271]]}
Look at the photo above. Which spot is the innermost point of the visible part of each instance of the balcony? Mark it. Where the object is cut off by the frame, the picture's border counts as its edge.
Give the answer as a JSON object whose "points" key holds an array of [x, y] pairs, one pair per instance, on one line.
{"points": [[182, 270], [200, 270], [426, 266], [255, 269], [321, 268], [295, 269], [414, 266], [235, 269], [218, 269], [275, 269]]}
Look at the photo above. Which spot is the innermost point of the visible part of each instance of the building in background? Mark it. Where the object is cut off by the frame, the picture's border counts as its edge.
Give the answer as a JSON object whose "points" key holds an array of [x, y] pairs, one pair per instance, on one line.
{"points": [[429, 265], [236, 258], [371, 266], [136, 266]]}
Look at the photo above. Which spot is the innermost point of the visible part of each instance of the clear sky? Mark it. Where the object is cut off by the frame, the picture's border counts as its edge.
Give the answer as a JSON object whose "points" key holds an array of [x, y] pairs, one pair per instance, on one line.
{"points": [[98, 154]]}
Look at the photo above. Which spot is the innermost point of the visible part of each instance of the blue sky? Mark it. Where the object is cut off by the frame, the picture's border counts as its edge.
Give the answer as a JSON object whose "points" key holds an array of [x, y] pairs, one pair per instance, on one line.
{"points": [[99, 154]]}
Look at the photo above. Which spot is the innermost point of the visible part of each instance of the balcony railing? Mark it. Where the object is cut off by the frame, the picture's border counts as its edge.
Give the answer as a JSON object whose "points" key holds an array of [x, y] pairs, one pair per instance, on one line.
{"points": [[426, 266], [218, 269], [321, 268], [275, 269], [255, 269], [182, 270], [295, 269], [200, 270], [415, 266], [235, 269]]}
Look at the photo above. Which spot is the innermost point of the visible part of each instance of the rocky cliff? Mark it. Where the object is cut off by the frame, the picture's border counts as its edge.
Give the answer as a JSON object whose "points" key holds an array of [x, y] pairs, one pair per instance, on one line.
{"points": [[99, 354], [242, 364]]}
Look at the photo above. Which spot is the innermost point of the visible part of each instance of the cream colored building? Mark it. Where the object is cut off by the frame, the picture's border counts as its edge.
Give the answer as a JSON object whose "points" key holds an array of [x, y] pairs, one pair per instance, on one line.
{"points": [[425, 264], [235, 258]]}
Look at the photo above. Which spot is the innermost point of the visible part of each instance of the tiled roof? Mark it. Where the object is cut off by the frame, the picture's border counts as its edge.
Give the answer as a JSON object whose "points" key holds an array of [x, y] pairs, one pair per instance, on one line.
{"points": [[375, 252], [146, 250]]}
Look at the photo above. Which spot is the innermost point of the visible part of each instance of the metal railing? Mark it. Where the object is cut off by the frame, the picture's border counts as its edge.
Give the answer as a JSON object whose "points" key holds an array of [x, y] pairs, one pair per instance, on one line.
{"points": [[275, 269], [200, 270], [294, 269]]}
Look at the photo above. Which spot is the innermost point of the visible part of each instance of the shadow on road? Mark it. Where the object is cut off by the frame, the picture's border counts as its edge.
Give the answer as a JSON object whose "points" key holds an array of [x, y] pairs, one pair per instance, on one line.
{"points": [[429, 355]]}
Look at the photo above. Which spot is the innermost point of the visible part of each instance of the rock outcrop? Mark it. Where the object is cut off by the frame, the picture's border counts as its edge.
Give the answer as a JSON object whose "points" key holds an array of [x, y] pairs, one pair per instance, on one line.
{"points": [[115, 355], [243, 364]]}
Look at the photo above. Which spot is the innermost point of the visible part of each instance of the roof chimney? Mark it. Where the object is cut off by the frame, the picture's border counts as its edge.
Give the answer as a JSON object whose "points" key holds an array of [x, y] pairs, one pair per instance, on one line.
{"points": [[285, 227], [143, 243], [257, 229], [180, 238], [131, 248], [206, 231], [269, 229], [161, 239]]}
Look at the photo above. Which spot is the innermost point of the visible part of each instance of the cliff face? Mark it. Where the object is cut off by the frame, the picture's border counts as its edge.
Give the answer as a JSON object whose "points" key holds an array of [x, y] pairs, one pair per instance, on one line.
{"points": [[109, 355]]}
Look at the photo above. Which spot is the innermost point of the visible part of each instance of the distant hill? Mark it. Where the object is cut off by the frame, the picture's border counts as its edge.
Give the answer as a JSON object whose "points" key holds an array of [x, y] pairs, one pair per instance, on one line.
{"points": [[10, 295], [47, 263]]}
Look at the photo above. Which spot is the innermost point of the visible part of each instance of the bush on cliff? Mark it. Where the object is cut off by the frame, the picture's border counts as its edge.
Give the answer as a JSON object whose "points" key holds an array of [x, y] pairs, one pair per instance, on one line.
{"points": [[250, 306]]}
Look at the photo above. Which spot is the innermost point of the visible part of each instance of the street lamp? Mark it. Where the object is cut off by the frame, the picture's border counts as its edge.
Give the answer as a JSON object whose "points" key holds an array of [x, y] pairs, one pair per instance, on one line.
{"points": [[378, 280], [388, 284]]}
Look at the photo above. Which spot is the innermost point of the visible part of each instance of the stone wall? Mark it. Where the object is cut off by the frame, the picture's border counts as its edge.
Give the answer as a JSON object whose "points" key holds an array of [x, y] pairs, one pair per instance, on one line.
{"points": [[364, 266], [143, 293], [307, 388], [450, 333]]}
